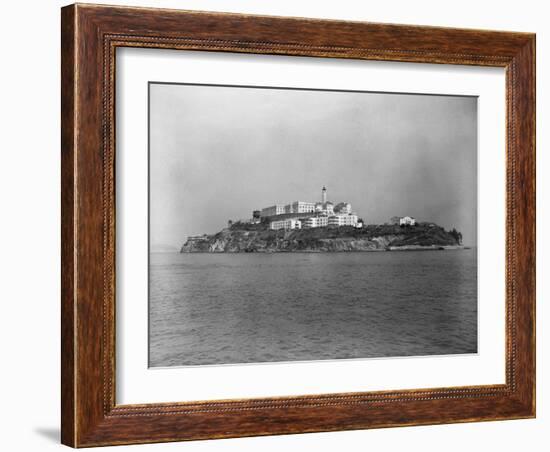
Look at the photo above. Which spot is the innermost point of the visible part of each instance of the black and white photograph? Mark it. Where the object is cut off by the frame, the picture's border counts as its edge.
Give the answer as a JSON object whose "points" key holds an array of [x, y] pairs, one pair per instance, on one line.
{"points": [[299, 224], [265, 226]]}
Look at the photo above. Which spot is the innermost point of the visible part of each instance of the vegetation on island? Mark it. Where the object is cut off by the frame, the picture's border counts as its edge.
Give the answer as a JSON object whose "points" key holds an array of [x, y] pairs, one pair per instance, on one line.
{"points": [[250, 237]]}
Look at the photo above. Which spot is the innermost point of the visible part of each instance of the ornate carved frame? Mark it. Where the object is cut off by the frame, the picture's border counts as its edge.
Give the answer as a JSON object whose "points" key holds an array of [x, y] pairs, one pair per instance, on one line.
{"points": [[90, 36]]}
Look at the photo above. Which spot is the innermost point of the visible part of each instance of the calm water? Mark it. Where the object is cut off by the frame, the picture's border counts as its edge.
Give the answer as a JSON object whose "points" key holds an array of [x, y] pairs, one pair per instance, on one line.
{"points": [[241, 308]]}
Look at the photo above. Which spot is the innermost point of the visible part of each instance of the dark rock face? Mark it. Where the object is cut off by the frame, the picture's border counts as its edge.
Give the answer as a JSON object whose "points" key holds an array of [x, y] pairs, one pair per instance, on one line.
{"points": [[371, 238]]}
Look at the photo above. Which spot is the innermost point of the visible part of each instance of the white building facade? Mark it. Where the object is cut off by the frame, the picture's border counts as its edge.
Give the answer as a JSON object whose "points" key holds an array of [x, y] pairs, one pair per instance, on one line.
{"points": [[326, 208], [272, 210], [403, 221], [316, 222], [407, 221], [289, 223], [309, 214], [300, 207], [343, 220]]}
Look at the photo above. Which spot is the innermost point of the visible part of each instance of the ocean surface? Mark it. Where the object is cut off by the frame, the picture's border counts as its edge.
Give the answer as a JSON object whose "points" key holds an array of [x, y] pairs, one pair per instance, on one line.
{"points": [[249, 308]]}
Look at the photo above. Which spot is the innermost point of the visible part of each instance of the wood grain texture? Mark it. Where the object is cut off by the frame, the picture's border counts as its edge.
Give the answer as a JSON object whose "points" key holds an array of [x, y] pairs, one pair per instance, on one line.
{"points": [[68, 147], [90, 36]]}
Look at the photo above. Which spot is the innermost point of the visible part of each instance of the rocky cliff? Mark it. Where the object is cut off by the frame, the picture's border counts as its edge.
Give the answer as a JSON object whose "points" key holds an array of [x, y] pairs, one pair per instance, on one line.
{"points": [[245, 238]]}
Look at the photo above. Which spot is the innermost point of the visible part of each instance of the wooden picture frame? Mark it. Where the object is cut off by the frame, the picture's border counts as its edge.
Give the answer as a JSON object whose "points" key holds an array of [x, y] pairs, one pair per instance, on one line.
{"points": [[90, 35]]}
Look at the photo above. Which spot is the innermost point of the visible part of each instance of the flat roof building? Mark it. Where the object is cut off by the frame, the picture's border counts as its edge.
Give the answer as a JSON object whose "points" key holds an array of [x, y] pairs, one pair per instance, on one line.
{"points": [[277, 209], [300, 207], [403, 221], [316, 222], [289, 223], [342, 220]]}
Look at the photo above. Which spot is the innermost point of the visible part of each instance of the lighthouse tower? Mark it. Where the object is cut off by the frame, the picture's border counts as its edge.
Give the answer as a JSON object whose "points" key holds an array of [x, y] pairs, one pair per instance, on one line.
{"points": [[324, 195]]}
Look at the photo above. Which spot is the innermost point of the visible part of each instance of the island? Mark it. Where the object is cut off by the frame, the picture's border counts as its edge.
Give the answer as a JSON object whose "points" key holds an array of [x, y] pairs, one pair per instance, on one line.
{"points": [[321, 227]]}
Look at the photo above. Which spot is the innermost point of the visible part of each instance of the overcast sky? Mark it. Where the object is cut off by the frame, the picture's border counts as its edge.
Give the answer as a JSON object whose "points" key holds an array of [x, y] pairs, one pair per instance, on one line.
{"points": [[217, 153]]}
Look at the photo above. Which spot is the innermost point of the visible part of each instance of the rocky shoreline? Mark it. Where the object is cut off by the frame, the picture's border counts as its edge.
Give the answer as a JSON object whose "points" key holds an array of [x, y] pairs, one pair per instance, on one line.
{"points": [[258, 239]]}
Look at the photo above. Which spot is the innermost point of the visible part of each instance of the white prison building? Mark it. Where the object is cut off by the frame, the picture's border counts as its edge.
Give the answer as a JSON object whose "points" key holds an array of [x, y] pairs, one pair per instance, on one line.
{"points": [[342, 220], [289, 223], [272, 210], [326, 208], [316, 222], [321, 212], [300, 207]]}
